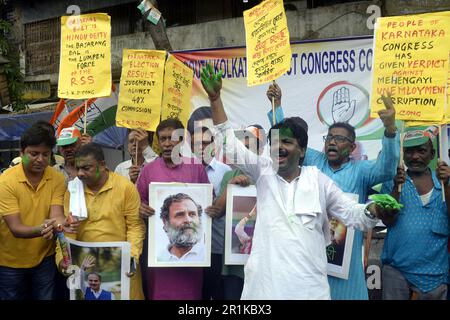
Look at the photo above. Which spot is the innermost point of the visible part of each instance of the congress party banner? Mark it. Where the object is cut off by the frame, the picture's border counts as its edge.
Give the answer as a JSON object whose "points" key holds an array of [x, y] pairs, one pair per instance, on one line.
{"points": [[267, 41], [177, 90], [328, 81], [411, 62], [85, 60], [141, 85]]}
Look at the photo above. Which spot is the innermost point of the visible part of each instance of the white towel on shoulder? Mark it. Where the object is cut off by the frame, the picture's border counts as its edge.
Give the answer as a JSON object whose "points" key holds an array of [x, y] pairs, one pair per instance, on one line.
{"points": [[77, 203]]}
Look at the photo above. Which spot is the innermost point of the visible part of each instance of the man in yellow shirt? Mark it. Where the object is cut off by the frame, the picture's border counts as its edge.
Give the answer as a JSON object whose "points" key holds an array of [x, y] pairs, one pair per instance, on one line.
{"points": [[31, 206], [112, 203]]}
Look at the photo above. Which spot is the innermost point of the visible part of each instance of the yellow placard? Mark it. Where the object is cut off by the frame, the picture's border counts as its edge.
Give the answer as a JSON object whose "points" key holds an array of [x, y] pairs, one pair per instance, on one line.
{"points": [[423, 123], [411, 62], [267, 40], [85, 63], [141, 85], [447, 111], [177, 90]]}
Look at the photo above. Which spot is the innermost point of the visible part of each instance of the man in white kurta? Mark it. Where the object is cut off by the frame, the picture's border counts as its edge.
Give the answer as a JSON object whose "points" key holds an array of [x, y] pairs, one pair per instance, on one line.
{"points": [[288, 259]]}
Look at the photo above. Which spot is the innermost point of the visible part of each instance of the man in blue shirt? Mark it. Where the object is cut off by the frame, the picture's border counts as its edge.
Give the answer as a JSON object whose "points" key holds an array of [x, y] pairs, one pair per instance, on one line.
{"points": [[355, 177], [415, 258]]}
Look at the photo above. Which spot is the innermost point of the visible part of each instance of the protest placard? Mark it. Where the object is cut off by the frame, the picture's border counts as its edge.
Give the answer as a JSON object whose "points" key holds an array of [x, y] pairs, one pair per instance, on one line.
{"points": [[85, 61], [177, 90], [141, 85], [267, 41], [411, 62]]}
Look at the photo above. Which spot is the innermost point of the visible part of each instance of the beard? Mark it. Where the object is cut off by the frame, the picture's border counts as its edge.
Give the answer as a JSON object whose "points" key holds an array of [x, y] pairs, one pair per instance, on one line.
{"points": [[185, 236]]}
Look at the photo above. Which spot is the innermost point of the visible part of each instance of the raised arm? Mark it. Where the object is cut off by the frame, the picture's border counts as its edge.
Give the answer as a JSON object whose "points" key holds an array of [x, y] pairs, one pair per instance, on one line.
{"points": [[88, 262], [384, 168], [274, 92], [235, 151]]}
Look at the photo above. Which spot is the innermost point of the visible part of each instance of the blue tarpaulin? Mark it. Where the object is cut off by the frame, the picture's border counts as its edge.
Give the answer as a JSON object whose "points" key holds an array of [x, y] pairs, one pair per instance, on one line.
{"points": [[12, 127]]}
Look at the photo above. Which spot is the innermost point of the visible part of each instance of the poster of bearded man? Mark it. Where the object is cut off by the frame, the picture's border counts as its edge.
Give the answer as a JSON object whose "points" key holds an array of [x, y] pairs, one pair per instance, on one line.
{"points": [[179, 233]]}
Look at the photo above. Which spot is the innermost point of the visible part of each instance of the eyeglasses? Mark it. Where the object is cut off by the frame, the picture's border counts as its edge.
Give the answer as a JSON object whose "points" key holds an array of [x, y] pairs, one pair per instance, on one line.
{"points": [[337, 138]]}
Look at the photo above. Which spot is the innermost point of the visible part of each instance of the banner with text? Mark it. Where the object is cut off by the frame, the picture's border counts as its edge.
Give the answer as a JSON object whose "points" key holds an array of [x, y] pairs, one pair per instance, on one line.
{"points": [[177, 90], [141, 86], [85, 60], [411, 62], [267, 41], [328, 81]]}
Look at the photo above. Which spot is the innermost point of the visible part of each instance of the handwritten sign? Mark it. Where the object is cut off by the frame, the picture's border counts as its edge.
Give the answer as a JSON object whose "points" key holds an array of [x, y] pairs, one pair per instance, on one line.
{"points": [[447, 113], [85, 63], [141, 85], [411, 61], [267, 37], [177, 91]]}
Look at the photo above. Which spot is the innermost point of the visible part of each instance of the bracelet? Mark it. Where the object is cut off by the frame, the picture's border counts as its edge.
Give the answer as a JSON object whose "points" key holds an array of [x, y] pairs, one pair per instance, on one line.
{"points": [[368, 213]]}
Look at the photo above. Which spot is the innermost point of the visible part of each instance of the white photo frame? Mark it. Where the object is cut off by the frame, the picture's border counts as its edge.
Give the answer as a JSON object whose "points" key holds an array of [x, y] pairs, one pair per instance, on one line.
{"points": [[339, 252], [112, 262], [240, 202], [159, 251]]}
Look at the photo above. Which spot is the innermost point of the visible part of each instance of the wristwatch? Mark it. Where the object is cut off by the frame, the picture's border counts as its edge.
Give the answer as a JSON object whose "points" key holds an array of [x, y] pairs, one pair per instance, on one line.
{"points": [[368, 213]]}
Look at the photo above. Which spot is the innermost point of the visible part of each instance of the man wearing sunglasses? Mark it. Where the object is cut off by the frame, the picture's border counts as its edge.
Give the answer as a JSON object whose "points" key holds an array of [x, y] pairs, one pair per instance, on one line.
{"points": [[355, 177]]}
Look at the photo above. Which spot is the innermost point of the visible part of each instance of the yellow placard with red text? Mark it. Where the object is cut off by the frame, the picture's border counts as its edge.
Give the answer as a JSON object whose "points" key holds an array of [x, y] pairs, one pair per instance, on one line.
{"points": [[85, 60], [141, 86], [267, 41], [411, 62], [176, 103]]}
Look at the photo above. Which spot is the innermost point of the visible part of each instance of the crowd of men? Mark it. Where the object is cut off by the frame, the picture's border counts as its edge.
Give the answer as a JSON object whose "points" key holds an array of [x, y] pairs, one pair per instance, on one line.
{"points": [[299, 190]]}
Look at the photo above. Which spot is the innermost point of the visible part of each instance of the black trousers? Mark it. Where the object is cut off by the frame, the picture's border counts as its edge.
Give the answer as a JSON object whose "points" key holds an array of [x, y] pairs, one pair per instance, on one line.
{"points": [[213, 280]]}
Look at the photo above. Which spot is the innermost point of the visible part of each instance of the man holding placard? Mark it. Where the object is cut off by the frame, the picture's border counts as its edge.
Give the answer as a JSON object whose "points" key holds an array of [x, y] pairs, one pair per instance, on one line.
{"points": [[140, 153], [415, 258], [180, 283]]}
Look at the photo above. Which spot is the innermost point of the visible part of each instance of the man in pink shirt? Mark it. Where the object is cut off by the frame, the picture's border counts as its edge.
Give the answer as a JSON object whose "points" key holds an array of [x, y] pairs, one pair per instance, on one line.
{"points": [[170, 283]]}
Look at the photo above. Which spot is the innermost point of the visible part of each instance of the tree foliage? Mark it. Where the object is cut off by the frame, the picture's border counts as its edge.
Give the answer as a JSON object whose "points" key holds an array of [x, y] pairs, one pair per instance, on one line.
{"points": [[12, 69]]}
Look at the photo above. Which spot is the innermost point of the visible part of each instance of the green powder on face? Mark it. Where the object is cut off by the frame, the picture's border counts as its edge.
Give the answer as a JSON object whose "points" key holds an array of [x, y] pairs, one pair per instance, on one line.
{"points": [[77, 162], [25, 160], [97, 173], [286, 132], [345, 152]]}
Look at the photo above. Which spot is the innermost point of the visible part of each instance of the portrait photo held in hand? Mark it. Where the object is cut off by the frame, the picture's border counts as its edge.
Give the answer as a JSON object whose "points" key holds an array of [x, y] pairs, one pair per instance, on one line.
{"points": [[339, 251], [101, 270], [180, 231], [240, 223]]}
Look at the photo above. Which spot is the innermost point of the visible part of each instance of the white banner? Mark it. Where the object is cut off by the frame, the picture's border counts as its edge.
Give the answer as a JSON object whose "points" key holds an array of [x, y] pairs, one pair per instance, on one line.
{"points": [[329, 81]]}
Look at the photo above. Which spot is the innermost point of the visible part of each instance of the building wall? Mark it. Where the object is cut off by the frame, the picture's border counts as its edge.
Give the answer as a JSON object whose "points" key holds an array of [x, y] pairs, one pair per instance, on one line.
{"points": [[401, 7], [340, 20]]}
